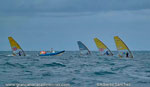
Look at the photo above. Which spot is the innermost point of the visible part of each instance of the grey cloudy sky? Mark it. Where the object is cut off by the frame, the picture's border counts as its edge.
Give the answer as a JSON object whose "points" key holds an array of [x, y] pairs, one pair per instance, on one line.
{"points": [[42, 24]]}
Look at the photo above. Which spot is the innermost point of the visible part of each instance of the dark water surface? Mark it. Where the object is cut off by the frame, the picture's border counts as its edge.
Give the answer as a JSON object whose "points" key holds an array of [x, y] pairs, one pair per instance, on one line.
{"points": [[75, 70]]}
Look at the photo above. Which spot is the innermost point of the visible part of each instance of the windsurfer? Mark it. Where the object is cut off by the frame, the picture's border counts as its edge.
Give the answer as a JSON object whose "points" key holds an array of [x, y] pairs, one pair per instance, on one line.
{"points": [[19, 53], [107, 53], [127, 54]]}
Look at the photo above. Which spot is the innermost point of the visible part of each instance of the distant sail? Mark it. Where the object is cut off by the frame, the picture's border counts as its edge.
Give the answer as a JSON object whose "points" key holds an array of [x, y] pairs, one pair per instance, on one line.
{"points": [[102, 47], [16, 49], [122, 47], [83, 49]]}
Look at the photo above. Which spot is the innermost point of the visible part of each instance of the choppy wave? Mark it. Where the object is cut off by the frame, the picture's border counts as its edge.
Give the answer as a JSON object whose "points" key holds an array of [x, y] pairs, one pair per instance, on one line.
{"points": [[54, 64], [79, 71], [103, 73]]}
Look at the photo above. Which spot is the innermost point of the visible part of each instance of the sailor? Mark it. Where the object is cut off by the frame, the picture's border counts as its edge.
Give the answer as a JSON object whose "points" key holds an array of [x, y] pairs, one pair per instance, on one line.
{"points": [[87, 53], [52, 51], [127, 54], [19, 53], [107, 53]]}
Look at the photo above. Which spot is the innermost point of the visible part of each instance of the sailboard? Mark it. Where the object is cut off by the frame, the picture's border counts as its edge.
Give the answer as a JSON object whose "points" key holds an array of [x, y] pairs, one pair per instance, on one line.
{"points": [[104, 50], [83, 49], [122, 48], [16, 49]]}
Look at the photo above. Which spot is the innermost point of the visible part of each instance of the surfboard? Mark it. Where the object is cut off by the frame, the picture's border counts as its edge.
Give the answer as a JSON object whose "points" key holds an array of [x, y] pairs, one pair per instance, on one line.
{"points": [[16, 49], [83, 49], [103, 49], [122, 48]]}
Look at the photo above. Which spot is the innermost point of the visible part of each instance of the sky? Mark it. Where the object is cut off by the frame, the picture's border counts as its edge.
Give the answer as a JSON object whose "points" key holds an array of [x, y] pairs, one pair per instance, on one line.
{"points": [[59, 24]]}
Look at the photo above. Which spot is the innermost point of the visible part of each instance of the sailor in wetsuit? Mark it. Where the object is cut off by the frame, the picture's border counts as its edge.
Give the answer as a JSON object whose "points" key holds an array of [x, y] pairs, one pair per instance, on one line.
{"points": [[19, 53], [107, 53], [127, 54]]}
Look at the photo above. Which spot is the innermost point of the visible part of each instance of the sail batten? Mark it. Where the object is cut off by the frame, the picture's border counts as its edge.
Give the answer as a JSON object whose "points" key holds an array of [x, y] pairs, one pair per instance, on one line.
{"points": [[83, 49], [122, 47], [16, 49], [102, 47]]}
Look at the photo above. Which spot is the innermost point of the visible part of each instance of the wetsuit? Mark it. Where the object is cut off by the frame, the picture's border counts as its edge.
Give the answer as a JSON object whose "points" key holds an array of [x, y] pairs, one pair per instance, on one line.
{"points": [[107, 53], [19, 53], [127, 54]]}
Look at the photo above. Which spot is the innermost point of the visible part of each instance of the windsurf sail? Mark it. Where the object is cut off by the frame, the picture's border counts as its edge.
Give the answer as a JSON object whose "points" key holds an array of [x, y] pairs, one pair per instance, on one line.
{"points": [[83, 49], [122, 48], [104, 50], [16, 49]]}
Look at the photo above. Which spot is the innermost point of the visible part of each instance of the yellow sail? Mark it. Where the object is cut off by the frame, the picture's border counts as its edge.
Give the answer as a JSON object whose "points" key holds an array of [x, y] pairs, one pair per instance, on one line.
{"points": [[122, 47], [102, 47], [17, 50]]}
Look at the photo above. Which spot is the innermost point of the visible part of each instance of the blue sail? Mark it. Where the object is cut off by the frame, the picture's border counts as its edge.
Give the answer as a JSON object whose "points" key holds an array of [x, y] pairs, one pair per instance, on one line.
{"points": [[83, 49]]}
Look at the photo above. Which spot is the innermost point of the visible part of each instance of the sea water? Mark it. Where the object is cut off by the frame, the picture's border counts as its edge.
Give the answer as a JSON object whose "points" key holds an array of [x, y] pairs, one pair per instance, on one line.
{"points": [[75, 70]]}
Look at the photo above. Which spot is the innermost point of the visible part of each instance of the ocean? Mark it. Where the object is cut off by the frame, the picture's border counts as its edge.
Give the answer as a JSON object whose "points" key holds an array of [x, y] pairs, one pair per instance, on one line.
{"points": [[75, 70]]}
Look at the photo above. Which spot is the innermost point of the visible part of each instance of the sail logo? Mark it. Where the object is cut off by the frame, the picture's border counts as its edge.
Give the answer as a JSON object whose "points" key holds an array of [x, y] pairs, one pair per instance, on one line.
{"points": [[101, 49], [14, 48]]}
